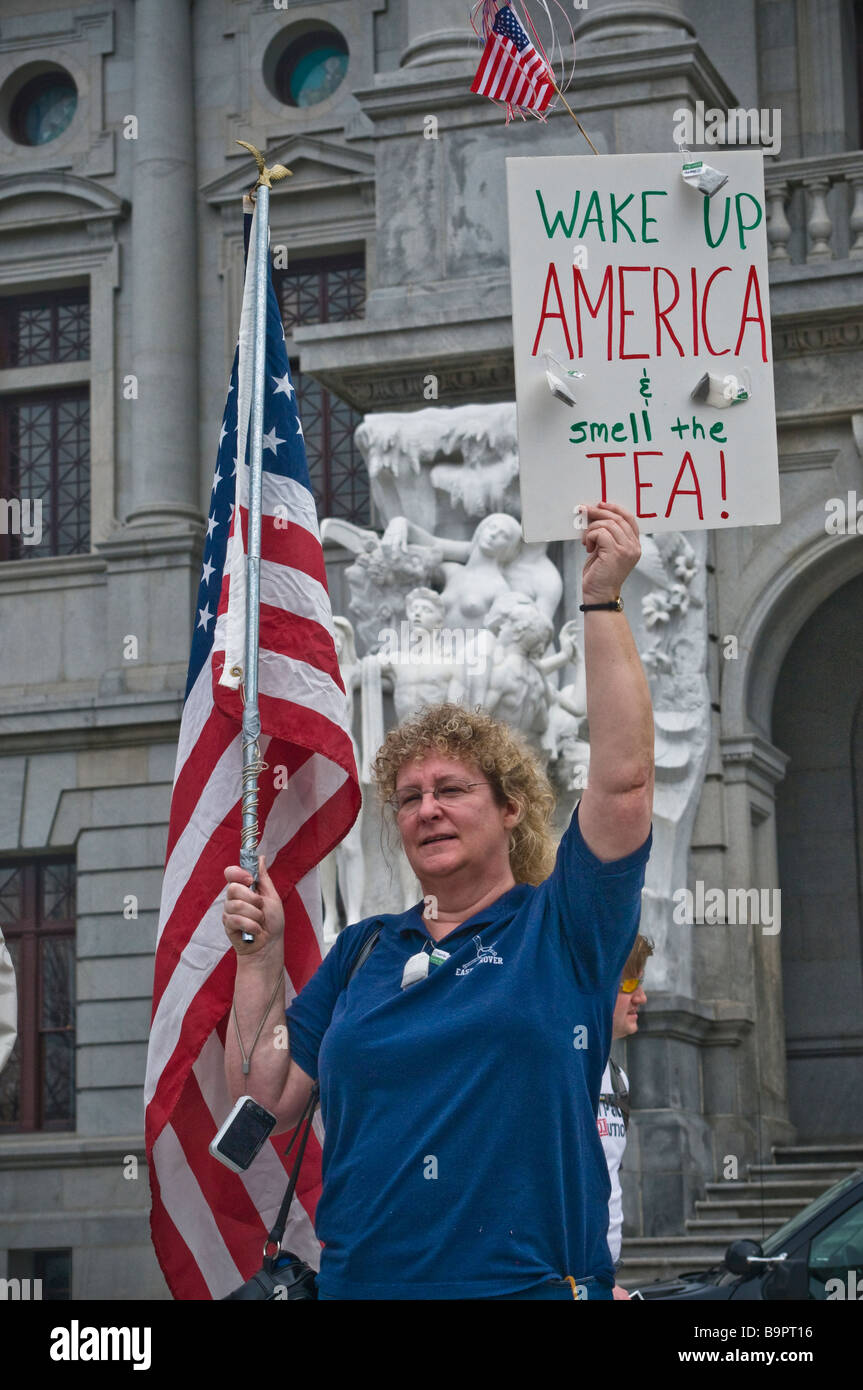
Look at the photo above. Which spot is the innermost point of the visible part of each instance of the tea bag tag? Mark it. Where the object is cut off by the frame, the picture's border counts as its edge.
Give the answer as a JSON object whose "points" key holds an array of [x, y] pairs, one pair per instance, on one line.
{"points": [[560, 379], [416, 969], [700, 175]]}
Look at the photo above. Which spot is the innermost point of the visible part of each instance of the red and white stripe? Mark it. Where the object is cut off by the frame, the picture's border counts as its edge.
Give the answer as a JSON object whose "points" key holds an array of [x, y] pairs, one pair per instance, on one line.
{"points": [[209, 1224], [504, 74]]}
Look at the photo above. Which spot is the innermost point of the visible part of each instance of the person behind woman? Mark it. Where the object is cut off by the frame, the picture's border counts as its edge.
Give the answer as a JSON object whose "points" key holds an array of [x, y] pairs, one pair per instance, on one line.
{"points": [[612, 1119], [461, 1157]]}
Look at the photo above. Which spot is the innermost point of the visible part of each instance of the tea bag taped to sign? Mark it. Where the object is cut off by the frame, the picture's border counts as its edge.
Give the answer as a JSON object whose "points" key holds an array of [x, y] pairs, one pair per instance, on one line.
{"points": [[700, 175], [556, 374], [722, 391]]}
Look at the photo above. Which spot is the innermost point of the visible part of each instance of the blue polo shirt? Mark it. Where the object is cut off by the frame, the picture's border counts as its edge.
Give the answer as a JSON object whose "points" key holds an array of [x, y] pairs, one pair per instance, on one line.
{"points": [[461, 1157]]}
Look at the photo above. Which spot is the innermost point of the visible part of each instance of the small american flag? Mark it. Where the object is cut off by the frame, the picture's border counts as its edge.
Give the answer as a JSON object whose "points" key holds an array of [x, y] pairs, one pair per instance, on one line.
{"points": [[209, 1224], [510, 69]]}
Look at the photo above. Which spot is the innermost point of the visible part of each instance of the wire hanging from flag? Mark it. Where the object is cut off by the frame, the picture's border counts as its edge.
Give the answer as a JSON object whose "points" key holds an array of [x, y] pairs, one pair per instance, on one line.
{"points": [[209, 1224]]}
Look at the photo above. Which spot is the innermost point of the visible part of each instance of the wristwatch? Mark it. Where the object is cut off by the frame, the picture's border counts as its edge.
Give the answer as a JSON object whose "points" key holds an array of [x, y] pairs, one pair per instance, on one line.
{"points": [[614, 606]]}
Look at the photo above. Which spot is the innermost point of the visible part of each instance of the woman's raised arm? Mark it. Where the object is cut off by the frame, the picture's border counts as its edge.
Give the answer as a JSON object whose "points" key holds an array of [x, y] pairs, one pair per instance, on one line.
{"points": [[616, 807]]}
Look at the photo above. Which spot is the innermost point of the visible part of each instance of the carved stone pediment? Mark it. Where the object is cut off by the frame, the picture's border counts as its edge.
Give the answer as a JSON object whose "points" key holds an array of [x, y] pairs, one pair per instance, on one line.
{"points": [[314, 162], [34, 200]]}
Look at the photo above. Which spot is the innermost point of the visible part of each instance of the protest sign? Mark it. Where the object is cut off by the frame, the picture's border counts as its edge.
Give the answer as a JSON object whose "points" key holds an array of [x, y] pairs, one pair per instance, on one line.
{"points": [[626, 273]]}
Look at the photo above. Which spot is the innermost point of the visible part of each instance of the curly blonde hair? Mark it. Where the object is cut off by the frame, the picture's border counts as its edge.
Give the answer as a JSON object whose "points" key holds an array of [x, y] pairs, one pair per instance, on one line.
{"points": [[503, 755]]}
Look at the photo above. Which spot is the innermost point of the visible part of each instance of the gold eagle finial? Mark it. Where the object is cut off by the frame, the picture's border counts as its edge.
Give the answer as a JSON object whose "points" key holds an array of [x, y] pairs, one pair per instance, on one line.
{"points": [[266, 177]]}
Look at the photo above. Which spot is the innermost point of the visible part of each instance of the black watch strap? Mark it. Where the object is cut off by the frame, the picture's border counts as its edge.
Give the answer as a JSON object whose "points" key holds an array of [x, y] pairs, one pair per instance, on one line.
{"points": [[614, 606]]}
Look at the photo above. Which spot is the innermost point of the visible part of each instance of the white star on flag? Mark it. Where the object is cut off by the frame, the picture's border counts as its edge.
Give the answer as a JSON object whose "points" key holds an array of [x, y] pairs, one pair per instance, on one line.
{"points": [[217, 478], [222, 434], [212, 523], [272, 441], [283, 384], [207, 570], [299, 427], [205, 616]]}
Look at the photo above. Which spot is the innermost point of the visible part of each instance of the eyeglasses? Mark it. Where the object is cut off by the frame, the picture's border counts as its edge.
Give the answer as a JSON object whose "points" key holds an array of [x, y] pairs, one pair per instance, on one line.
{"points": [[407, 800], [630, 986]]}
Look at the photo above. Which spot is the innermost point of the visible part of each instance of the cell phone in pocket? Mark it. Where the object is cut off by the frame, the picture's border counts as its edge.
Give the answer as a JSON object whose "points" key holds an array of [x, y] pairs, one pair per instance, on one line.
{"points": [[243, 1135]]}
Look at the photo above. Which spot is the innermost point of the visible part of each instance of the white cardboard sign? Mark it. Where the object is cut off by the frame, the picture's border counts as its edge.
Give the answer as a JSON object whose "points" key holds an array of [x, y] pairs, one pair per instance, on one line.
{"points": [[626, 273]]}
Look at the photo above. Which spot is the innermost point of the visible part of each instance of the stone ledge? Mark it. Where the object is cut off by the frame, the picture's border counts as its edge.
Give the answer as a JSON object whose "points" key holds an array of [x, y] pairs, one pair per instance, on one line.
{"points": [[412, 89], [89, 720], [51, 572], [720, 1023], [61, 1150], [751, 758]]}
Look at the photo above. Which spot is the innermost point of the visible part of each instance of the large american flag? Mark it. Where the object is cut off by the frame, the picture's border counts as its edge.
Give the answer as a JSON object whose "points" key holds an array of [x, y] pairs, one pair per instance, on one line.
{"points": [[209, 1224], [510, 69]]}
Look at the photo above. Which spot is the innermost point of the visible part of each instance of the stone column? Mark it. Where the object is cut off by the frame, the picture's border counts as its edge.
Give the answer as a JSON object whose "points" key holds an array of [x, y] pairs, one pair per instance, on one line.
{"points": [[164, 275], [632, 23], [822, 40], [439, 32]]}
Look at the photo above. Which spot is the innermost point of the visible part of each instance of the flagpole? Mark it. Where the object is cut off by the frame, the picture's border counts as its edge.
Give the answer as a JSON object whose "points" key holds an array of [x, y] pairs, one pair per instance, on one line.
{"points": [[251, 730], [574, 117]]}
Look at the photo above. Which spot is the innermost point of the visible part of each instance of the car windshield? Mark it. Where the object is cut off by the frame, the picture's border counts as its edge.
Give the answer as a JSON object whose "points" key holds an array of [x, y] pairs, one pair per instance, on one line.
{"points": [[773, 1244]]}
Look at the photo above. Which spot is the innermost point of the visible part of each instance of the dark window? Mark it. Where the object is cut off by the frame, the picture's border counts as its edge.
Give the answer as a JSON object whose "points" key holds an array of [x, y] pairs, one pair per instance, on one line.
{"points": [[837, 1253], [311, 68], [338, 474], [37, 917], [324, 291], [45, 474], [51, 1268], [328, 290], [44, 108], [38, 329]]}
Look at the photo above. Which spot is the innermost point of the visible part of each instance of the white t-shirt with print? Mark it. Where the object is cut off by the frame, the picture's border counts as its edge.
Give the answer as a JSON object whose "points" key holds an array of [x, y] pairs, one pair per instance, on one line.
{"points": [[8, 1005], [612, 1132]]}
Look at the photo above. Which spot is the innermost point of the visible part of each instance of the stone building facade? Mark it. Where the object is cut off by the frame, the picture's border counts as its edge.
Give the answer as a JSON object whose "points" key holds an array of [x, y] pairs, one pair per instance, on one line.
{"points": [[750, 1039]]}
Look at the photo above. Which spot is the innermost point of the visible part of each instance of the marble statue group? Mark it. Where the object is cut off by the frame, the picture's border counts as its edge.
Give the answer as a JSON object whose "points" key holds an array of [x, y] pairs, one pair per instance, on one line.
{"points": [[448, 602]]}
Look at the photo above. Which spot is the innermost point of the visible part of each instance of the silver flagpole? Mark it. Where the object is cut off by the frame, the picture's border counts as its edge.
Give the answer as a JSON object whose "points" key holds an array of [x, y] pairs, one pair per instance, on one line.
{"points": [[251, 732]]}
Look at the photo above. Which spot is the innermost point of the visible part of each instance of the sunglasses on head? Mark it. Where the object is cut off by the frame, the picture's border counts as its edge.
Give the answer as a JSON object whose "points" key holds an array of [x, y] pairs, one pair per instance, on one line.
{"points": [[630, 986]]}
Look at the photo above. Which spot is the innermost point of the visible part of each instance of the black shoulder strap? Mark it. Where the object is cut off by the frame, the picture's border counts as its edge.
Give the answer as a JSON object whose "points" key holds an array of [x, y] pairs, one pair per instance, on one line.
{"points": [[302, 1132], [303, 1129], [367, 947], [621, 1094]]}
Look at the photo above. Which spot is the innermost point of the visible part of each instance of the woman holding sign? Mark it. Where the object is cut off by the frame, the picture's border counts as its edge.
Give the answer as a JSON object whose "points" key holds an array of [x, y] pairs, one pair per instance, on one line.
{"points": [[460, 1069]]}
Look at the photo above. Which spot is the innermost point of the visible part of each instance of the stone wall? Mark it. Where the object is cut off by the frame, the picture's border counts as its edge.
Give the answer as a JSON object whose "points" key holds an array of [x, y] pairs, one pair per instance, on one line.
{"points": [[153, 227]]}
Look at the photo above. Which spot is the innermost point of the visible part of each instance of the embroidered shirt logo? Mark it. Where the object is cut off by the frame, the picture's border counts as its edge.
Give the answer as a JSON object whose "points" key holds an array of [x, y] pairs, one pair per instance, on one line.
{"points": [[485, 955]]}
